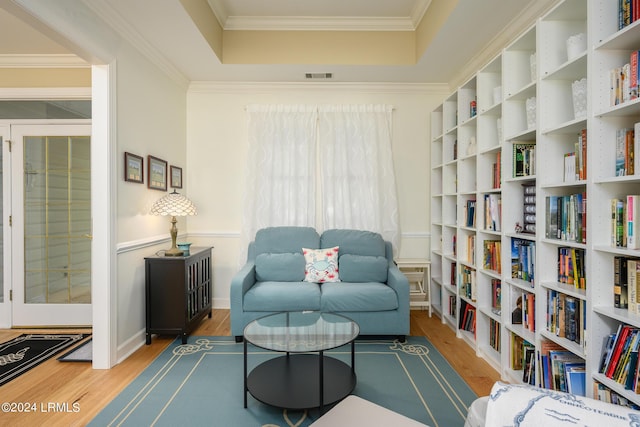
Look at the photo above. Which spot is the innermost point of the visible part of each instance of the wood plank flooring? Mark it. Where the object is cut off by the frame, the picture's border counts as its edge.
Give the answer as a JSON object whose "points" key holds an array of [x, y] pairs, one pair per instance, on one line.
{"points": [[67, 383]]}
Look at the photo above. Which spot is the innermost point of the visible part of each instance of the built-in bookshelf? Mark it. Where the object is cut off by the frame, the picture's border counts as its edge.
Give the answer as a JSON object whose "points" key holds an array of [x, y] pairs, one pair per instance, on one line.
{"points": [[540, 144]]}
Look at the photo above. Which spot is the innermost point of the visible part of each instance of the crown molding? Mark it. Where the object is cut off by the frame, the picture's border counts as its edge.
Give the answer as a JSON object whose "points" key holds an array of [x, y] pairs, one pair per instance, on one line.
{"points": [[45, 93], [260, 87], [42, 61], [317, 23], [130, 34]]}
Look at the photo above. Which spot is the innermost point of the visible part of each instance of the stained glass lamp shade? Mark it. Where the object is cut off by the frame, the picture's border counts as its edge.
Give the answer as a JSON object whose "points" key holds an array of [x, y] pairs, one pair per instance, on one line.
{"points": [[174, 204]]}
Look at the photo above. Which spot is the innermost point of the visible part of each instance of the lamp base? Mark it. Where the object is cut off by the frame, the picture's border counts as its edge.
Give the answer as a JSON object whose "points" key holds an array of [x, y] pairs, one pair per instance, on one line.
{"points": [[173, 252]]}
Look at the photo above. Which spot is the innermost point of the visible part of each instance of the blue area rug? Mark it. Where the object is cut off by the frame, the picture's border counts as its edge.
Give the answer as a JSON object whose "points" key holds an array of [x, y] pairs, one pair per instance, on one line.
{"points": [[201, 384]]}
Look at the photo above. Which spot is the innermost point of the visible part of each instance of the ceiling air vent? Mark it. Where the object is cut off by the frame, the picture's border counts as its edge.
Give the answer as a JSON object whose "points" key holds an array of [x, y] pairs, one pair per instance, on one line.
{"points": [[318, 76]]}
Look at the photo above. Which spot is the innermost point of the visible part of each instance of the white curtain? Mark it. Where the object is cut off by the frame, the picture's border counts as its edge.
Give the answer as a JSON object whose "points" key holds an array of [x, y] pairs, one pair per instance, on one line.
{"points": [[281, 168], [355, 168], [357, 174]]}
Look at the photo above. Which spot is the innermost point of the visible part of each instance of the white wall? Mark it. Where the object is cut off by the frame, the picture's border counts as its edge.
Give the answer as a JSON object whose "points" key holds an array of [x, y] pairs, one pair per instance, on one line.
{"points": [[151, 120], [217, 149]]}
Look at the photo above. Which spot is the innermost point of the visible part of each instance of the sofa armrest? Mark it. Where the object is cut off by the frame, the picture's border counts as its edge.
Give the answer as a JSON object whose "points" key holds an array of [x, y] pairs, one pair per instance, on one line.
{"points": [[399, 283], [241, 282]]}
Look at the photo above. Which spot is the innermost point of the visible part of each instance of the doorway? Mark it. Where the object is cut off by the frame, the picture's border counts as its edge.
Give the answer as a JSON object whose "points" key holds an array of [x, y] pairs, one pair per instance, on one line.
{"points": [[48, 251]]}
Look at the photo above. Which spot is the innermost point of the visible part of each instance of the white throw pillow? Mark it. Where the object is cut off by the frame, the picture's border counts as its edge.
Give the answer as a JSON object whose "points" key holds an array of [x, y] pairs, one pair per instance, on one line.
{"points": [[321, 265]]}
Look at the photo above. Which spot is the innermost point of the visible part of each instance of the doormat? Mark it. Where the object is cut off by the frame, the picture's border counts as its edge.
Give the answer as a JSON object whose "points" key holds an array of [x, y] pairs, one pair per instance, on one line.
{"points": [[22, 353], [82, 353]]}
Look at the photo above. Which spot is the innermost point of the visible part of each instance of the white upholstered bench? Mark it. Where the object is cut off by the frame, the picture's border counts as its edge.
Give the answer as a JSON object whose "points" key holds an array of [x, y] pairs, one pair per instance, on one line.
{"points": [[354, 411]]}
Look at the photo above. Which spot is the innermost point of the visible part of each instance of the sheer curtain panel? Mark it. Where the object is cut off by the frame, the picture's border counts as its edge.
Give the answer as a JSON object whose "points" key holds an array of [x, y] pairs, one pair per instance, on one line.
{"points": [[281, 168], [357, 174]]}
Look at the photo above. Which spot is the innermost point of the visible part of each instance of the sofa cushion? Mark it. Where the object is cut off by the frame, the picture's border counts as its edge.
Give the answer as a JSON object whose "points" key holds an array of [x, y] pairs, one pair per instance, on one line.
{"points": [[357, 242], [285, 239], [321, 265], [368, 296], [363, 268], [280, 267], [282, 296]]}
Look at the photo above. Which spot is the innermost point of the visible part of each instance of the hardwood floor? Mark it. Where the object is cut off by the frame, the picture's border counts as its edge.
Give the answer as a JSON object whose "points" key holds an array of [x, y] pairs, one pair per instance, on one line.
{"points": [[66, 384]]}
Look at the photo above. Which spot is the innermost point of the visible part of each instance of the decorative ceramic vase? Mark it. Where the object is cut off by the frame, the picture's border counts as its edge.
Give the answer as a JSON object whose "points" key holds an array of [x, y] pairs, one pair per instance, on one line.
{"points": [[530, 105], [184, 247], [576, 45], [579, 92]]}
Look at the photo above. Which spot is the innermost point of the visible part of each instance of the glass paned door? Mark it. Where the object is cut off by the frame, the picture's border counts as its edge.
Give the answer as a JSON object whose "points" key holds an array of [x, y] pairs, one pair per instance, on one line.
{"points": [[52, 231], [5, 229]]}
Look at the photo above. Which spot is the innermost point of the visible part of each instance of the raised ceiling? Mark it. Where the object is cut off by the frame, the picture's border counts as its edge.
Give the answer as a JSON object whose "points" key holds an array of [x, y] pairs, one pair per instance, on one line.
{"points": [[422, 41]]}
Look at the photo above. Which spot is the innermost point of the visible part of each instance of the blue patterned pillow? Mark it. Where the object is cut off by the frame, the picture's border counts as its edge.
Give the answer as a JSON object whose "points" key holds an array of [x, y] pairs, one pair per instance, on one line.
{"points": [[321, 265]]}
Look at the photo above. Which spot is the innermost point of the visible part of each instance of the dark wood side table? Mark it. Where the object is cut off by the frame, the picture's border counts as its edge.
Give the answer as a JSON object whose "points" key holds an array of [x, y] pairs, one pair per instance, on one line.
{"points": [[178, 292]]}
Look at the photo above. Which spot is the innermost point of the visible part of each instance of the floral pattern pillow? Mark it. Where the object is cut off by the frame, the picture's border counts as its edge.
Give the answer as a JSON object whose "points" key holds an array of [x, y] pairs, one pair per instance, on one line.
{"points": [[321, 265]]}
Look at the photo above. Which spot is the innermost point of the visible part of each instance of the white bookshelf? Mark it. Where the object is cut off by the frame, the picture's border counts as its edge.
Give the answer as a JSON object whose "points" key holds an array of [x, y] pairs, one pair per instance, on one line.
{"points": [[501, 89]]}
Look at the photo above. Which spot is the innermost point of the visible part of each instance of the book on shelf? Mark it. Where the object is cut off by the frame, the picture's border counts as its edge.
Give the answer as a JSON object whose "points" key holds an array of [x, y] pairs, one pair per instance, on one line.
{"points": [[517, 352], [467, 320], [571, 267], [468, 287], [605, 394], [633, 217], [471, 249], [470, 213], [492, 255], [494, 334], [523, 254], [581, 155], [544, 362], [492, 212], [524, 158], [496, 171], [529, 364], [566, 217], [559, 361], [620, 282], [625, 152], [496, 296], [454, 274], [633, 267], [452, 305], [570, 172], [565, 315], [619, 360]]}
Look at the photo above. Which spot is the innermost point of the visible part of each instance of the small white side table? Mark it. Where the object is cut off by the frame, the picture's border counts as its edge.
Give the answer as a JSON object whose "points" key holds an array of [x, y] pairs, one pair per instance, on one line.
{"points": [[418, 272]]}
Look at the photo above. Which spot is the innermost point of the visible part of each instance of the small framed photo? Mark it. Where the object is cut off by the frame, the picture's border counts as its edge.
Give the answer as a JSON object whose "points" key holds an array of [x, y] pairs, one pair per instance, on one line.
{"points": [[157, 175], [133, 168], [176, 176]]}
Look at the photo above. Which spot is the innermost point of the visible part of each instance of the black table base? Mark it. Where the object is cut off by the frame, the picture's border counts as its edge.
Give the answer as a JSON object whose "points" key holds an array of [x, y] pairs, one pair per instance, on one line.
{"points": [[294, 381]]}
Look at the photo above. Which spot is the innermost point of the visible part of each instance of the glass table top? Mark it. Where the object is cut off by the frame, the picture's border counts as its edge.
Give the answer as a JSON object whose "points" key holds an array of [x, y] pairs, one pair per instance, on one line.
{"points": [[299, 332]]}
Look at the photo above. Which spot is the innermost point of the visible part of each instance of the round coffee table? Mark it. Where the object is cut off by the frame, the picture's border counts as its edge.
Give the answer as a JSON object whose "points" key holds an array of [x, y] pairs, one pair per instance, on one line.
{"points": [[304, 377]]}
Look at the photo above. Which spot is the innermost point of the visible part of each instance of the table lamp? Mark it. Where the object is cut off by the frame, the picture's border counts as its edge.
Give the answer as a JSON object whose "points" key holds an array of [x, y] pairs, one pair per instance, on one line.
{"points": [[174, 204]]}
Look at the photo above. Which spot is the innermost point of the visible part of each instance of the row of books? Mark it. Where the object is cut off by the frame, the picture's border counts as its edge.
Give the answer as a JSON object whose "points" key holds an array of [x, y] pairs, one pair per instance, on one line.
{"points": [[626, 146], [628, 12], [491, 255], [470, 213], [566, 217], [524, 159], [605, 394], [496, 171], [467, 321], [524, 310], [561, 370], [492, 212], [624, 81], [494, 335], [625, 269], [468, 288], [625, 219], [523, 255], [565, 316], [453, 302], [523, 358], [575, 162], [471, 249], [620, 357], [571, 267], [496, 296]]}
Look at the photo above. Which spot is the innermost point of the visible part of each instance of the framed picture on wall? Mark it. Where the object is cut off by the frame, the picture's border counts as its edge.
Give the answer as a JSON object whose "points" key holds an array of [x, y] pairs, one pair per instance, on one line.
{"points": [[176, 176], [157, 175], [133, 168]]}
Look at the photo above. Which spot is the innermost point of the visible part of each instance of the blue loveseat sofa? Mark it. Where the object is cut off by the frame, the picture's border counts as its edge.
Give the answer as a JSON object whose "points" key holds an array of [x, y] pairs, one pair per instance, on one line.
{"points": [[372, 291]]}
